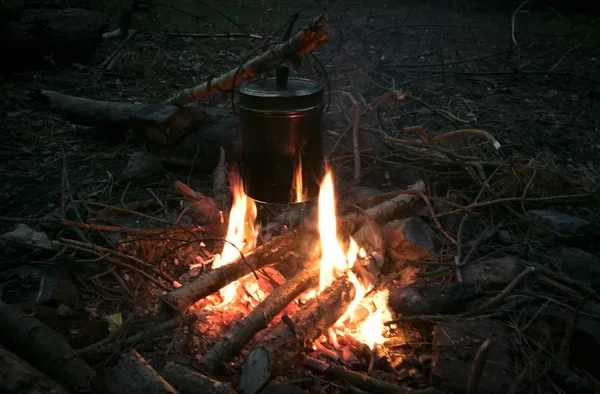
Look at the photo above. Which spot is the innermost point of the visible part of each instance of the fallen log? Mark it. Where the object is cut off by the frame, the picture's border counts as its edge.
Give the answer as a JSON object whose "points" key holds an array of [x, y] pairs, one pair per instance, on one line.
{"points": [[281, 249], [131, 374], [159, 124], [244, 330], [44, 348], [16, 374], [278, 349], [295, 244], [305, 41], [188, 381], [433, 299]]}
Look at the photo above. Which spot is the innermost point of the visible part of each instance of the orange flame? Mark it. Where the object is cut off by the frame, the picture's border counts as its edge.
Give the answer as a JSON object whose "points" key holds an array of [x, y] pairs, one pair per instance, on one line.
{"points": [[241, 233], [298, 184], [335, 262]]}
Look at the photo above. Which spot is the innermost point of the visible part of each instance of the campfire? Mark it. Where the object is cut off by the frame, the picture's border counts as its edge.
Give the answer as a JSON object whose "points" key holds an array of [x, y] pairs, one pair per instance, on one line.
{"points": [[334, 257]]}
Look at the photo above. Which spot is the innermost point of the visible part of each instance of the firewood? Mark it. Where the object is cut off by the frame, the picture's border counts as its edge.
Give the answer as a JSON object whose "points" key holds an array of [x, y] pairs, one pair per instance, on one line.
{"points": [[278, 349], [44, 348], [305, 41], [188, 381], [132, 374], [15, 373], [244, 330], [294, 245], [160, 124], [281, 249]]}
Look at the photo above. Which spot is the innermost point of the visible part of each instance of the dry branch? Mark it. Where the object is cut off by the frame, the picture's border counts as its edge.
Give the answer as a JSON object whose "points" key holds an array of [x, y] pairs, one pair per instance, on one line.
{"points": [[188, 381], [44, 348], [243, 331], [132, 374], [305, 41], [15, 373], [278, 349]]}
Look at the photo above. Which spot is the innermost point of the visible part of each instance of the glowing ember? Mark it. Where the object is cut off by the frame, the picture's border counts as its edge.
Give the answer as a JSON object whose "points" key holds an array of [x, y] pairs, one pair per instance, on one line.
{"points": [[370, 331], [241, 233]]}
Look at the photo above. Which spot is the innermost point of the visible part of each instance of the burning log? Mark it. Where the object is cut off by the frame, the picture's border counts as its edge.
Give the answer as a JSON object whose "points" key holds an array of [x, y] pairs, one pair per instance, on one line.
{"points": [[244, 330], [16, 373], [212, 281], [132, 374], [292, 244], [44, 348], [188, 381], [279, 347]]}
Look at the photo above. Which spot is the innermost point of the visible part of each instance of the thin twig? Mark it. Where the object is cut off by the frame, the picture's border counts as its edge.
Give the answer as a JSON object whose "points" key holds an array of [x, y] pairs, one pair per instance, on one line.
{"points": [[477, 367]]}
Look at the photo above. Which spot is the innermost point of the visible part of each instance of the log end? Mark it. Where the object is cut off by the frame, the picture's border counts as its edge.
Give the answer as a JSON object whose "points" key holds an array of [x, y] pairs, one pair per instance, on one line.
{"points": [[255, 371]]}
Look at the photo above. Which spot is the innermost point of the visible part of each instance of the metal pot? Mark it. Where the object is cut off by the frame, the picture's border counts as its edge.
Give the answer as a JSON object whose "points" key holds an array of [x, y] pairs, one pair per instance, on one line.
{"points": [[281, 123]]}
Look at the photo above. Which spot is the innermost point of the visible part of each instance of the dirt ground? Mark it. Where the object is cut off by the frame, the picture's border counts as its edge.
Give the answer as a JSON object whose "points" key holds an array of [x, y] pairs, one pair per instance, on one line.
{"points": [[530, 79], [539, 99]]}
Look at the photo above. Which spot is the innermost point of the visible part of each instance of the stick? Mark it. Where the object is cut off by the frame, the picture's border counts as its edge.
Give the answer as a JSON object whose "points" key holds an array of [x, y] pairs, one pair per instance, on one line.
{"points": [[44, 348], [305, 41], [357, 379], [477, 367], [280, 346], [243, 331]]}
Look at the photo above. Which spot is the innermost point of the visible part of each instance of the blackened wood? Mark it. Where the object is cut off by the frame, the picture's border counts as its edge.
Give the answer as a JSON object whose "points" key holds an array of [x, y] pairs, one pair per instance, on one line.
{"points": [[244, 330], [132, 375], [17, 374], [44, 348], [188, 381]]}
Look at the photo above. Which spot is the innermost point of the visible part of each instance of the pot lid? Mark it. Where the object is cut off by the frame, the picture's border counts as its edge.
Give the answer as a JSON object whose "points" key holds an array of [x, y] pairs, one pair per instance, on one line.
{"points": [[298, 94]]}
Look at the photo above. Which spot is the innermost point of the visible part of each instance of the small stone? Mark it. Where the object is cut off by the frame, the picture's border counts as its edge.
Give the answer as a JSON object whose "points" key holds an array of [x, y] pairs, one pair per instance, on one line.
{"points": [[492, 274], [410, 238], [26, 235], [444, 298], [550, 222], [576, 263]]}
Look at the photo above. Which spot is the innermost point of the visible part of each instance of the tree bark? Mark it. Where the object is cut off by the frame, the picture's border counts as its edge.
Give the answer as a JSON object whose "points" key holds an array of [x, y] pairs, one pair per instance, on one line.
{"points": [[305, 41], [280, 346], [132, 374], [17, 374], [44, 348], [188, 381], [244, 330]]}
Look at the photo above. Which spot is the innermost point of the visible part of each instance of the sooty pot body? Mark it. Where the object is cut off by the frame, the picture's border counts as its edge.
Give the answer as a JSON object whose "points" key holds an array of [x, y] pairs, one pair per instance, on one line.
{"points": [[282, 140]]}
